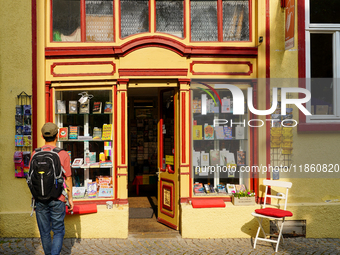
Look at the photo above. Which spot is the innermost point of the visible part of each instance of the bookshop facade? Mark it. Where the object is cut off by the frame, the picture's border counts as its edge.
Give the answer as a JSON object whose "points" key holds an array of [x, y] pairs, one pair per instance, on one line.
{"points": [[141, 108]]}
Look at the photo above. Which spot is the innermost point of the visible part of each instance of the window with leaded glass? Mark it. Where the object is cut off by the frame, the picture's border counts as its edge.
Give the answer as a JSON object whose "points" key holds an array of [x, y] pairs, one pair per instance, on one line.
{"points": [[235, 20], [203, 20], [134, 17], [169, 17], [99, 20]]}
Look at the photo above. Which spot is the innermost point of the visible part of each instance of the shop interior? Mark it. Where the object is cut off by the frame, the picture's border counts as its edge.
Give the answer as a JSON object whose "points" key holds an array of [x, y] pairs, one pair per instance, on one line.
{"points": [[143, 109]]}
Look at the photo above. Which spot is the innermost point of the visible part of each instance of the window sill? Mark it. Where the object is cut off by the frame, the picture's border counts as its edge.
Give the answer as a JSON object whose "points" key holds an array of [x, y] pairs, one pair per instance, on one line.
{"points": [[318, 127]]}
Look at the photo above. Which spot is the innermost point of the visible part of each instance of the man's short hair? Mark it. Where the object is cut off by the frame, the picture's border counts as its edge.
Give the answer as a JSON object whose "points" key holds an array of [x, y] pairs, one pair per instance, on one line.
{"points": [[50, 139]]}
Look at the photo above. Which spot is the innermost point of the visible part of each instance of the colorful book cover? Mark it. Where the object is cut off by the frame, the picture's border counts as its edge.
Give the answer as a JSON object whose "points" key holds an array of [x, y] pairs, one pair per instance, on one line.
{"points": [[27, 109], [107, 133], [97, 107], [61, 106], [241, 158], [63, 133], [84, 108], [219, 132], [204, 159], [73, 132], [19, 130], [105, 192], [228, 133], [196, 106], [231, 188], [196, 158], [208, 132], [19, 140], [226, 107], [197, 132], [72, 107], [27, 140], [19, 120], [214, 157], [92, 190], [240, 187], [108, 107], [90, 157], [239, 132], [78, 192], [97, 133], [27, 130], [18, 110]]}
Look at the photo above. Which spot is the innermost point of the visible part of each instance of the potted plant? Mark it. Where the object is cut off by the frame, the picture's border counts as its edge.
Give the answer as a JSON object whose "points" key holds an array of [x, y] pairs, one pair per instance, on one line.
{"points": [[245, 197]]}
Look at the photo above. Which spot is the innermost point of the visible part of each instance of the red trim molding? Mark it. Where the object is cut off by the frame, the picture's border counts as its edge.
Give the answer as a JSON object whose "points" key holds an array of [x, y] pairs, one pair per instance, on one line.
{"points": [[187, 200], [153, 72], [167, 223], [123, 126], [47, 101], [172, 213], [184, 153], [249, 64], [151, 41], [83, 63]]}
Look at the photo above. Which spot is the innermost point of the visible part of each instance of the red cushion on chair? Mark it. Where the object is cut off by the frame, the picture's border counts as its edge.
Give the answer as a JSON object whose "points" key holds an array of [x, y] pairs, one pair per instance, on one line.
{"points": [[207, 203], [274, 212]]}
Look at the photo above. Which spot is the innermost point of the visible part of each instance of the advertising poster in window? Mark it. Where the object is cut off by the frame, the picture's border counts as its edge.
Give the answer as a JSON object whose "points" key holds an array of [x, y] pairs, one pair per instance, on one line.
{"points": [[290, 24]]}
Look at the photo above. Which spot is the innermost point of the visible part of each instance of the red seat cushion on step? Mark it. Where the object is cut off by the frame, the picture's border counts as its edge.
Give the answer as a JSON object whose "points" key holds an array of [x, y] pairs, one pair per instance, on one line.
{"points": [[207, 203], [83, 209], [274, 212]]}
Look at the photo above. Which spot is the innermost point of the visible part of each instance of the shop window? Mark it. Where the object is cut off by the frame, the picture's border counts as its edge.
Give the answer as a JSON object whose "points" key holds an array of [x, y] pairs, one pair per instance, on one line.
{"points": [[220, 153], [169, 17], [205, 19], [68, 16], [323, 60], [134, 17], [85, 132]]}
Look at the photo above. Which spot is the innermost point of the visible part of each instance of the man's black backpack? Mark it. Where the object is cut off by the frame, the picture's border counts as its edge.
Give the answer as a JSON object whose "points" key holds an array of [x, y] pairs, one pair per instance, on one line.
{"points": [[45, 175]]}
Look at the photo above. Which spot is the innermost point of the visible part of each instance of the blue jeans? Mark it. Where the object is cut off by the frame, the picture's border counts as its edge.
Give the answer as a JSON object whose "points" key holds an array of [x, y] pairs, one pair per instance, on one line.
{"points": [[50, 216]]}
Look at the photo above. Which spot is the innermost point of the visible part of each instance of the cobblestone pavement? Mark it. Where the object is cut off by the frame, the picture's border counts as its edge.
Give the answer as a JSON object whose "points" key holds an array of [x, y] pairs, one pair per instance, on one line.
{"points": [[175, 245]]}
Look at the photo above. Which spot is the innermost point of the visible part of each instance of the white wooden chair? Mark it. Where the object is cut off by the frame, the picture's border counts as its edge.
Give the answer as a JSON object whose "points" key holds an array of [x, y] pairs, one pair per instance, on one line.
{"points": [[271, 213]]}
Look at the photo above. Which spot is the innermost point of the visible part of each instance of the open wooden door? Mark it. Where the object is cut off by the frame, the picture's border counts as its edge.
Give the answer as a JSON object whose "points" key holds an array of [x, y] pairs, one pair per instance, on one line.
{"points": [[168, 186]]}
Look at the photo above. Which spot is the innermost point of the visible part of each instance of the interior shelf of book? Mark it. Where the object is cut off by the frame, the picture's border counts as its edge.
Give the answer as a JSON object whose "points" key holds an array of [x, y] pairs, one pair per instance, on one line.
{"points": [[87, 137], [219, 142]]}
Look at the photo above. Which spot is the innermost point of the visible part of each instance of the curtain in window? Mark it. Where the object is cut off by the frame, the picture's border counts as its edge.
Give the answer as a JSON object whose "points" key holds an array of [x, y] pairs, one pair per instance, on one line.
{"points": [[99, 20], [66, 20], [203, 20], [235, 20], [134, 17], [169, 17]]}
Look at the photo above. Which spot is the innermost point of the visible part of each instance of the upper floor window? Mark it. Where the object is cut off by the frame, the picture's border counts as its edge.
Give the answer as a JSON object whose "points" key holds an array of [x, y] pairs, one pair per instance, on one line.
{"points": [[219, 20], [82, 20], [323, 59], [134, 17], [169, 17]]}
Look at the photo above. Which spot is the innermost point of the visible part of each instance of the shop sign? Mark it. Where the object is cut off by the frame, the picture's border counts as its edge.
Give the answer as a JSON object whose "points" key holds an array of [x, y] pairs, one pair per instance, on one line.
{"points": [[169, 160], [290, 24]]}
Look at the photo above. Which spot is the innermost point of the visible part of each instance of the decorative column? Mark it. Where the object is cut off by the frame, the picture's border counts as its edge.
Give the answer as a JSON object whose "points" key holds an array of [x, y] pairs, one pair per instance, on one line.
{"points": [[184, 159], [122, 157]]}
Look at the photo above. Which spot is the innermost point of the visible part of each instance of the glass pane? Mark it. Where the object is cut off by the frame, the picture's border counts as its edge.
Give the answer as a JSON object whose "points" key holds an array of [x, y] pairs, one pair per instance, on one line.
{"points": [[134, 17], [203, 20], [66, 21], [325, 11], [91, 148], [99, 20], [219, 140], [322, 67], [167, 116], [169, 17], [235, 20]]}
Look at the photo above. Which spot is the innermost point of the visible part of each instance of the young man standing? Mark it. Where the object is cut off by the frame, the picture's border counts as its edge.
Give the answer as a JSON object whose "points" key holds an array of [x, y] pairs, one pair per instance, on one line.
{"points": [[50, 215]]}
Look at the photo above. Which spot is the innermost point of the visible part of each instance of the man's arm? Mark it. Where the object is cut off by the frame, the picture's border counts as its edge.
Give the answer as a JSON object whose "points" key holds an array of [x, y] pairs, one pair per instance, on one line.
{"points": [[68, 181]]}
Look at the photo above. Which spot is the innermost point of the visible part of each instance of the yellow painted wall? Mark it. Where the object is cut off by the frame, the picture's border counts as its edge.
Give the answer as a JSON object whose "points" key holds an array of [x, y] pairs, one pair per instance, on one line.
{"points": [[15, 77], [237, 221]]}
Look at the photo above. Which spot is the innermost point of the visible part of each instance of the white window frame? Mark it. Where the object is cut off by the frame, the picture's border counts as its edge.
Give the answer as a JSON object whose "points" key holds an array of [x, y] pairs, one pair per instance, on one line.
{"points": [[321, 28]]}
